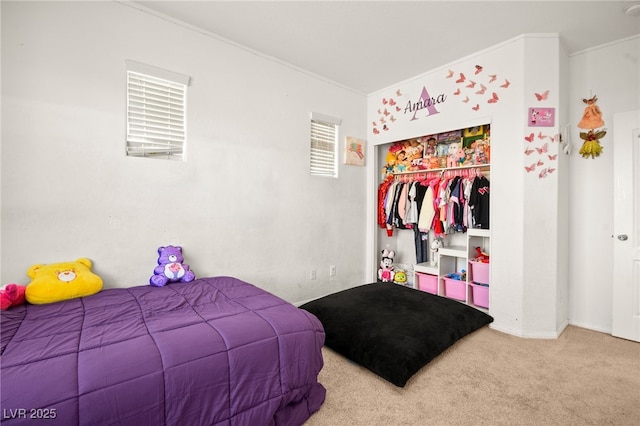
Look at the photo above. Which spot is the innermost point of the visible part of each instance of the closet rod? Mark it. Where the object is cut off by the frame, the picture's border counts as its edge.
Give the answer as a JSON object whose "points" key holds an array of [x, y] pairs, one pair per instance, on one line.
{"points": [[444, 169]]}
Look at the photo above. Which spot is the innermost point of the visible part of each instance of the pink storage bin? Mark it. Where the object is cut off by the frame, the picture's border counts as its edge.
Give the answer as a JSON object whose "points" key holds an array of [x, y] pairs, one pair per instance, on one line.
{"points": [[480, 295], [427, 282], [479, 272], [455, 289]]}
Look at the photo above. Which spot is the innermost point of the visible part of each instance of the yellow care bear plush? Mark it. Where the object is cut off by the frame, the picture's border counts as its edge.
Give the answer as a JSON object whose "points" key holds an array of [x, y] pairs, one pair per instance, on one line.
{"points": [[61, 281]]}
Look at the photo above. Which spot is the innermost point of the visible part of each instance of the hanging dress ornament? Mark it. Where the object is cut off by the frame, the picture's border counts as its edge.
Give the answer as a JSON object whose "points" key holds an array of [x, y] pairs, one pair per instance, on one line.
{"points": [[591, 120]]}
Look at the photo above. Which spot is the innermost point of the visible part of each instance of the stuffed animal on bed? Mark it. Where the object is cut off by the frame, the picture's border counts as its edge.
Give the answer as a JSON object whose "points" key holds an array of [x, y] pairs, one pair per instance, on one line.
{"points": [[61, 281], [12, 295], [170, 267]]}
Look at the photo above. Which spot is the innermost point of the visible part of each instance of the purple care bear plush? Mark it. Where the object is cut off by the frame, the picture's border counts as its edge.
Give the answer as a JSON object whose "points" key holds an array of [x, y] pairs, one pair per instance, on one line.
{"points": [[170, 267]]}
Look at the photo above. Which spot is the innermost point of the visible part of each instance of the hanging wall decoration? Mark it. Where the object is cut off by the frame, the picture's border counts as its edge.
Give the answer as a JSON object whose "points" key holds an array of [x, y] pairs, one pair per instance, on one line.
{"points": [[541, 151], [353, 151], [591, 121]]}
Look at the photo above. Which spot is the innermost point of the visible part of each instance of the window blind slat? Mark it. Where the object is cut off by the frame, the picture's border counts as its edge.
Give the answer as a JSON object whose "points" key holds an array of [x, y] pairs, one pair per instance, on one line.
{"points": [[323, 160], [155, 116]]}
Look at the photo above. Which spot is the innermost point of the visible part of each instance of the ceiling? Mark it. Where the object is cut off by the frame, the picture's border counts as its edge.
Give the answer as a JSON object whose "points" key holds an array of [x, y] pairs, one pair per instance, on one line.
{"points": [[369, 45]]}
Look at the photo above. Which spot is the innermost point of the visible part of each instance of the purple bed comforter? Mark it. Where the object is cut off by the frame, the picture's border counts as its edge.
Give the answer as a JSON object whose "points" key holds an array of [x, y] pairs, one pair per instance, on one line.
{"points": [[216, 351]]}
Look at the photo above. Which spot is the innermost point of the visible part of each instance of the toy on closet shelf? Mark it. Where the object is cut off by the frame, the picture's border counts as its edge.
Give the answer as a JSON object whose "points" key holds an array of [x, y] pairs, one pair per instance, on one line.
{"points": [[436, 245], [456, 154], [481, 256], [386, 272]]}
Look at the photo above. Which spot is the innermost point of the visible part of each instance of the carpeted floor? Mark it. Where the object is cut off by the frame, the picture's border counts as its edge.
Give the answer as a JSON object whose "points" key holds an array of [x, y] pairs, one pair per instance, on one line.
{"points": [[491, 378]]}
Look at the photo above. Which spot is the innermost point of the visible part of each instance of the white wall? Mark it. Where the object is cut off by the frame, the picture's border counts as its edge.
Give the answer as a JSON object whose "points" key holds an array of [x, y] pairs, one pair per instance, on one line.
{"points": [[612, 72], [574, 246], [526, 291], [243, 203]]}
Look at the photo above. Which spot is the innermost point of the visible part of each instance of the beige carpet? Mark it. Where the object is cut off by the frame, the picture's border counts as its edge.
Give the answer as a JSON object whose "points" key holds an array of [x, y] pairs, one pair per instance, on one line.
{"points": [[491, 378]]}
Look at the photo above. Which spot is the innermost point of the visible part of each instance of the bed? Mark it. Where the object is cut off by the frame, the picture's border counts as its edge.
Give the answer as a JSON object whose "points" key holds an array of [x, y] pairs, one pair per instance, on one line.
{"points": [[216, 351]]}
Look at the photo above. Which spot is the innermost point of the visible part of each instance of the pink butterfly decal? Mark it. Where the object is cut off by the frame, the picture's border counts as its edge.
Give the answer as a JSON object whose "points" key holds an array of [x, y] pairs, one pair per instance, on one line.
{"points": [[384, 101], [374, 124], [540, 163], [542, 96], [461, 79], [550, 170], [542, 149], [466, 99], [493, 78], [529, 138], [392, 118], [475, 108], [398, 93], [529, 151], [379, 111], [553, 157], [478, 69], [457, 92], [493, 99], [386, 112], [543, 173], [530, 168], [505, 84], [392, 102], [382, 120], [376, 131], [471, 84], [555, 137], [541, 136], [482, 90], [450, 74], [398, 108]]}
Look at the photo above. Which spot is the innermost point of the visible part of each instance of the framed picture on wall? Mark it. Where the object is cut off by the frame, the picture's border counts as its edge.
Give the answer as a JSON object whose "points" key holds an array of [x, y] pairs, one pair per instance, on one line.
{"points": [[353, 151], [541, 117]]}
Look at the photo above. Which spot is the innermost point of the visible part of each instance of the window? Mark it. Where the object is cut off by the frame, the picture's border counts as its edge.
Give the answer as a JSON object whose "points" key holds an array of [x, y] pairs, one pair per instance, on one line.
{"points": [[156, 112], [324, 144]]}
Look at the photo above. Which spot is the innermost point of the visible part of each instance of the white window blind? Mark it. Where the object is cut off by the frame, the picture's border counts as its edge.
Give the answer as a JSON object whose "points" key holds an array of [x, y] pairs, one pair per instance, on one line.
{"points": [[156, 112], [324, 144]]}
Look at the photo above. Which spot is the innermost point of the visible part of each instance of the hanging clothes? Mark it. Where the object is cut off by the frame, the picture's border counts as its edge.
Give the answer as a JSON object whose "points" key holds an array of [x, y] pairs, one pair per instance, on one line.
{"points": [[479, 202], [382, 197]]}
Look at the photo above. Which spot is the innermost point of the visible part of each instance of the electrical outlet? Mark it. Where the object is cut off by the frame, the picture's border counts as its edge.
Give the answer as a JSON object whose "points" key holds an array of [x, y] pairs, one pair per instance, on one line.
{"points": [[312, 274], [332, 270]]}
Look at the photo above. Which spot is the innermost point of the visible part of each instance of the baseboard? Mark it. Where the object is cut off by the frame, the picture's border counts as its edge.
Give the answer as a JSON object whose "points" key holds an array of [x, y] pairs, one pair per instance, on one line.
{"points": [[591, 327], [526, 335]]}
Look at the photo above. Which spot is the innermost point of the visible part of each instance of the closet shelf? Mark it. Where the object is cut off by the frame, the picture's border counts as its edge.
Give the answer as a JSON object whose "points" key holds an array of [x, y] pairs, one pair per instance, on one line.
{"points": [[478, 232], [454, 251]]}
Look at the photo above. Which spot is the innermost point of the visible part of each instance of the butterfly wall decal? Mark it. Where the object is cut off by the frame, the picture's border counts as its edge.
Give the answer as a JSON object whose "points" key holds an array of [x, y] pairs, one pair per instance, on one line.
{"points": [[493, 99], [530, 137], [461, 79], [542, 96], [542, 149], [505, 84], [478, 69]]}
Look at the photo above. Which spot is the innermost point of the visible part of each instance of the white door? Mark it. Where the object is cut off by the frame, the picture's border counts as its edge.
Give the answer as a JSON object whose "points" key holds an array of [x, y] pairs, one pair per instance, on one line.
{"points": [[625, 321]]}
